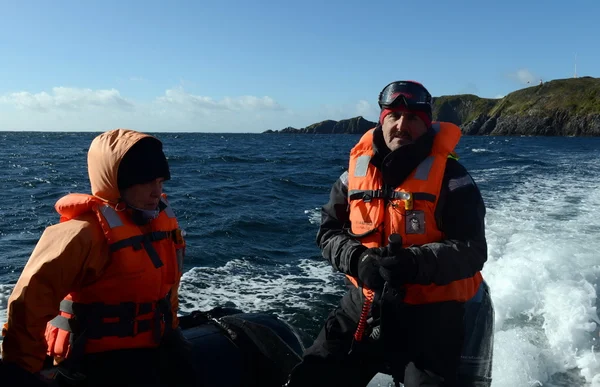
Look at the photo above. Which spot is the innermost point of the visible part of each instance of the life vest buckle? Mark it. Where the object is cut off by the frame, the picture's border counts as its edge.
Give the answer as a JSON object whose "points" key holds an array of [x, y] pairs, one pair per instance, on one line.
{"points": [[178, 235]]}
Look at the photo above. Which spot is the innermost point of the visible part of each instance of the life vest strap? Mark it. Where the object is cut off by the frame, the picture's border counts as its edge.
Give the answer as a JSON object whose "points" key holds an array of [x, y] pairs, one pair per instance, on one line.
{"points": [[367, 195], [162, 313], [145, 241], [426, 196], [98, 331], [137, 241], [88, 318], [124, 310]]}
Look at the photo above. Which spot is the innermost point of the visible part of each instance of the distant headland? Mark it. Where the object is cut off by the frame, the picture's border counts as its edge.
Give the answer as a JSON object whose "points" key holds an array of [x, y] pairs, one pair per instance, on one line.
{"points": [[562, 107]]}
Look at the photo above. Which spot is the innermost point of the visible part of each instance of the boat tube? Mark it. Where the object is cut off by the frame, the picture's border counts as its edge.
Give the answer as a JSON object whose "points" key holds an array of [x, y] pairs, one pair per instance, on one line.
{"points": [[230, 348]]}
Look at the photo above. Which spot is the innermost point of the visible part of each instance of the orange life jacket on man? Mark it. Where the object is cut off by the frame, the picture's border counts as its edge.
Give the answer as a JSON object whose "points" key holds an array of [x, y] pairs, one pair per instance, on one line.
{"points": [[407, 210], [129, 306]]}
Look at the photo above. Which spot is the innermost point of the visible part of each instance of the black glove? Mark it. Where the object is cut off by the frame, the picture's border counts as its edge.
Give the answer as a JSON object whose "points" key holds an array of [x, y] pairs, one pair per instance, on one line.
{"points": [[398, 269], [368, 268]]}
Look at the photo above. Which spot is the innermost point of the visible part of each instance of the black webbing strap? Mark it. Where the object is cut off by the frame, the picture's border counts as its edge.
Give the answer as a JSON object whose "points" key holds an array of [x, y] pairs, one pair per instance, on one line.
{"points": [[98, 331], [144, 241], [162, 313], [89, 317], [368, 195]]}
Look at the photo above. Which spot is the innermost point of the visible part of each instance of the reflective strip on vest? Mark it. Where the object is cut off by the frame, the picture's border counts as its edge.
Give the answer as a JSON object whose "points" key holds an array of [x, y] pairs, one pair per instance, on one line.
{"points": [[344, 179], [422, 172], [111, 216], [460, 182], [362, 164], [168, 210]]}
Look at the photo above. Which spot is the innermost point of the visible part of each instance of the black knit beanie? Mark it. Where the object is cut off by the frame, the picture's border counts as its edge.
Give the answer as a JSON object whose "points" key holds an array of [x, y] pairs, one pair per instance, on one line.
{"points": [[143, 162]]}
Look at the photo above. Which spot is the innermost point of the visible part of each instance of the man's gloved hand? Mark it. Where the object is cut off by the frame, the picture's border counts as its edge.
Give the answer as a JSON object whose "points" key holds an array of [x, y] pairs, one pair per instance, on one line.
{"points": [[398, 269], [368, 268]]}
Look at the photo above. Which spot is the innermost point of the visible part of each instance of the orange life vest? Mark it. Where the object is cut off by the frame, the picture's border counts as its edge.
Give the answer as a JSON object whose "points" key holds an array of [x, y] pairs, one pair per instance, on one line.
{"points": [[408, 210], [129, 306]]}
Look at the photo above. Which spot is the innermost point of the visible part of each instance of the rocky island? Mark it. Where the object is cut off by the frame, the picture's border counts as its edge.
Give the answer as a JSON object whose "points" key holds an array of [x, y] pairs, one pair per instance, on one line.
{"points": [[562, 107]]}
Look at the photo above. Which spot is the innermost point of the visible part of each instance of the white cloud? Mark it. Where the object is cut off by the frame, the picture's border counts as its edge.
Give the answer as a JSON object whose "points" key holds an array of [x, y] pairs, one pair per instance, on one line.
{"points": [[367, 110], [80, 109], [524, 76], [179, 98], [67, 98]]}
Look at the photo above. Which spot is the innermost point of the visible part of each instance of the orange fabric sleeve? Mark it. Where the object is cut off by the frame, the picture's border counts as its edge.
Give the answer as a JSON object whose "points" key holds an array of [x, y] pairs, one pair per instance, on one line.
{"points": [[66, 256]]}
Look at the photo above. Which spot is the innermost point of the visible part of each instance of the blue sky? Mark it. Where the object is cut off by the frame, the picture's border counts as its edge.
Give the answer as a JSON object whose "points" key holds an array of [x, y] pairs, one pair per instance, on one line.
{"points": [[235, 66]]}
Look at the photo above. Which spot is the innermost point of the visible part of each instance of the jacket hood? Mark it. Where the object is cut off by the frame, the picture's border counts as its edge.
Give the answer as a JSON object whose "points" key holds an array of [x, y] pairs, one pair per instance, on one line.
{"points": [[104, 157]]}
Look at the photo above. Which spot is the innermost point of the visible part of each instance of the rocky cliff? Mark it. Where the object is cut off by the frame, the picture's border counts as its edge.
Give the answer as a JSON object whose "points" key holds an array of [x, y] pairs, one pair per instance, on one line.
{"points": [[563, 107]]}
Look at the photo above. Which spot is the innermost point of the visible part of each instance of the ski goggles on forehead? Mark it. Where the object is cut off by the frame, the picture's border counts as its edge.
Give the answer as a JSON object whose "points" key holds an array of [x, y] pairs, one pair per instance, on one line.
{"points": [[410, 94]]}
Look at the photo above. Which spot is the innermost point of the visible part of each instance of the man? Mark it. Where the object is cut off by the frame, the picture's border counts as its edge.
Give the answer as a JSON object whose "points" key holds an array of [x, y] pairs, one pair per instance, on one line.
{"points": [[430, 322], [98, 297]]}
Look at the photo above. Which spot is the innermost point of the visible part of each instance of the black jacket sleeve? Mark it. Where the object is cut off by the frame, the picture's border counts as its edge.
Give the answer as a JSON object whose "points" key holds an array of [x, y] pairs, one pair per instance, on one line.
{"points": [[460, 216], [336, 245]]}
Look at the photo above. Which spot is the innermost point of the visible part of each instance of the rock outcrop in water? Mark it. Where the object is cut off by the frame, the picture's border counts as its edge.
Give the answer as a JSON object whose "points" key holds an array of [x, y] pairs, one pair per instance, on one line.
{"points": [[350, 126], [563, 107]]}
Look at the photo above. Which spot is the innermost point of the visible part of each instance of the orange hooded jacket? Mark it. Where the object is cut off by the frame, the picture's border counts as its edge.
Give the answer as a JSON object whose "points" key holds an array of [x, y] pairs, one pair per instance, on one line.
{"points": [[68, 258]]}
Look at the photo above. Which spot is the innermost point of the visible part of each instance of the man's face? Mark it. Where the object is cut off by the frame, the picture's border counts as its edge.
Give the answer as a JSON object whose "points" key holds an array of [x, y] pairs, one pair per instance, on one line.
{"points": [[402, 128]]}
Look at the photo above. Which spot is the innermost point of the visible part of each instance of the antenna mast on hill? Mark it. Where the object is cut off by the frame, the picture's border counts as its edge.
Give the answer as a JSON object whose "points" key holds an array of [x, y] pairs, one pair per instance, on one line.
{"points": [[575, 76]]}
